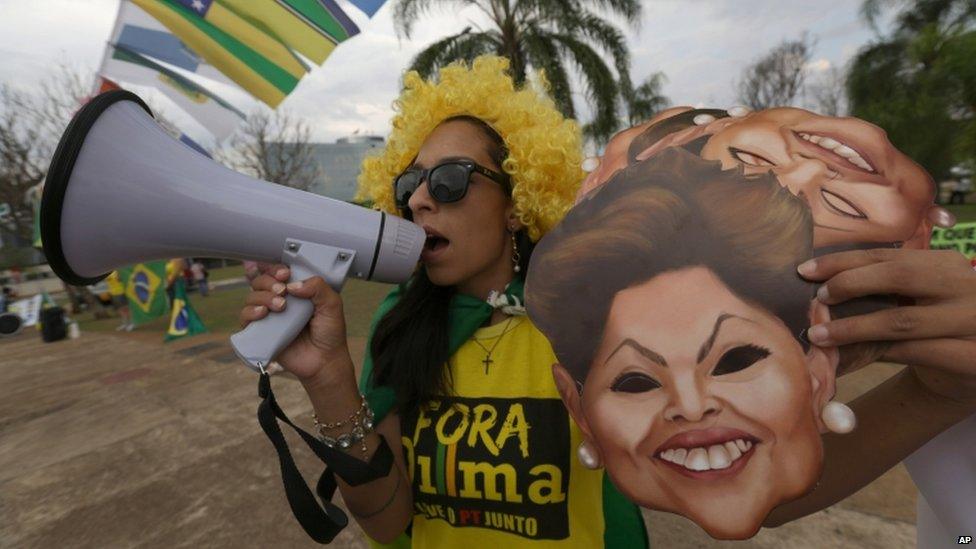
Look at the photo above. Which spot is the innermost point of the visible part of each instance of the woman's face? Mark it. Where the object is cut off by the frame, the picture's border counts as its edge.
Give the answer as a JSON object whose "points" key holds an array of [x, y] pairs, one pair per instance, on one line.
{"points": [[468, 244], [702, 404], [860, 188]]}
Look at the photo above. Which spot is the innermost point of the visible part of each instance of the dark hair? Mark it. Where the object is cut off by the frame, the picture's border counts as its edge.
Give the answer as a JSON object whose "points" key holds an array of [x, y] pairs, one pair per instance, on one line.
{"points": [[410, 344], [667, 213]]}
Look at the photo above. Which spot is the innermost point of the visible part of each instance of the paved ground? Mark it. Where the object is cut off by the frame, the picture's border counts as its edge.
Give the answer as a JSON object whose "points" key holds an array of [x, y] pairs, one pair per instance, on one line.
{"points": [[123, 441]]}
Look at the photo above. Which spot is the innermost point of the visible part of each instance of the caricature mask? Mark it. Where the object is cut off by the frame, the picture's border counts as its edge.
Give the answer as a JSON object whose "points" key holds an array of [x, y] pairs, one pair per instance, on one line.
{"points": [[671, 299], [859, 187]]}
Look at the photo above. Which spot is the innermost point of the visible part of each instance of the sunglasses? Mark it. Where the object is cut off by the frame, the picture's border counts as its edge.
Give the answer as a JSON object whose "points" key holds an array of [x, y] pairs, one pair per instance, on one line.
{"points": [[446, 182]]}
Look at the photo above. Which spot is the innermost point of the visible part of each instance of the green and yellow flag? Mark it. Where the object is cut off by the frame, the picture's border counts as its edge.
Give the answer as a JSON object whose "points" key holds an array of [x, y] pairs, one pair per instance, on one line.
{"points": [[306, 26], [247, 54], [183, 320], [145, 288]]}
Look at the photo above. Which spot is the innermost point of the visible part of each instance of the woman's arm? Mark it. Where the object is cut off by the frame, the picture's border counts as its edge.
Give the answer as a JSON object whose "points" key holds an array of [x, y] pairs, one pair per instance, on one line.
{"points": [[893, 420], [382, 507], [319, 358]]}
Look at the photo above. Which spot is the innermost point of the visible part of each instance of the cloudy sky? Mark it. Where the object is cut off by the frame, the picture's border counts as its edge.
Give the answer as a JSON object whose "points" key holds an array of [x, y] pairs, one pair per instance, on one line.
{"points": [[701, 45]]}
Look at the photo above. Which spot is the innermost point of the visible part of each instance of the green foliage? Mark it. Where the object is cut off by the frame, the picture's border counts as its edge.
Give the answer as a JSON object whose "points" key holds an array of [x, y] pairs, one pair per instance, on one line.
{"points": [[919, 82], [558, 36]]}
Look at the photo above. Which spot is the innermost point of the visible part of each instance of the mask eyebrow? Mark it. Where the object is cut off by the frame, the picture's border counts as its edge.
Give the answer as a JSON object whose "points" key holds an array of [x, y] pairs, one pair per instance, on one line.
{"points": [[707, 345], [644, 351]]}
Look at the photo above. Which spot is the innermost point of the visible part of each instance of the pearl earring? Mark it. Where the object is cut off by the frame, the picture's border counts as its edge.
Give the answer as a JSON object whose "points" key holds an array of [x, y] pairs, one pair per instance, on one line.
{"points": [[703, 119], [587, 457], [590, 164], [838, 417], [941, 217], [738, 111]]}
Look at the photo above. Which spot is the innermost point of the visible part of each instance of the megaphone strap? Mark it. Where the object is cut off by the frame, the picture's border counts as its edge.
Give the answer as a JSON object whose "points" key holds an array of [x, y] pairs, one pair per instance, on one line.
{"points": [[321, 522]]}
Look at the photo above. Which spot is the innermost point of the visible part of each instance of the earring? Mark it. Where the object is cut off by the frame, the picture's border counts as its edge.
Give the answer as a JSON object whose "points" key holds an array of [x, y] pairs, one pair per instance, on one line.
{"points": [[838, 417], [703, 119], [516, 257], [591, 163], [587, 457], [941, 217], [738, 111]]}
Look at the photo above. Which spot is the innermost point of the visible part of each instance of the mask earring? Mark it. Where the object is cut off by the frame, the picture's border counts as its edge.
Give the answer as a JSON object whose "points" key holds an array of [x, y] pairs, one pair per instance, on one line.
{"points": [[838, 417], [587, 456], [516, 257]]}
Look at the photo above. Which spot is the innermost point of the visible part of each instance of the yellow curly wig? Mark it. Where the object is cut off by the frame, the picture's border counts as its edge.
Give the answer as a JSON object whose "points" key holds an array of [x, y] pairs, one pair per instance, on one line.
{"points": [[545, 148]]}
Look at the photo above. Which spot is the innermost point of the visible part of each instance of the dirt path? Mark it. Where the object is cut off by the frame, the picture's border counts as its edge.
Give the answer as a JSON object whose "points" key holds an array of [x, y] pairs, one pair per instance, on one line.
{"points": [[121, 441]]}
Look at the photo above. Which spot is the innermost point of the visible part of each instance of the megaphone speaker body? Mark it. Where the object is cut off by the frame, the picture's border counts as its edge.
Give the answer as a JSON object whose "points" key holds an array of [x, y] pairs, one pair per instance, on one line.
{"points": [[121, 191]]}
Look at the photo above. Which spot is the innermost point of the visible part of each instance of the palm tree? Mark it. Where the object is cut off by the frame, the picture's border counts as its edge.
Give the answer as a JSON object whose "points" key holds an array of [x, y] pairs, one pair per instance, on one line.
{"points": [[647, 100], [544, 34]]}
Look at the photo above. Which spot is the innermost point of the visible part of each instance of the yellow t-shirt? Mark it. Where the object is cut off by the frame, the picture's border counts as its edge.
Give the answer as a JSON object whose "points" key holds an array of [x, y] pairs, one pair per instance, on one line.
{"points": [[494, 465]]}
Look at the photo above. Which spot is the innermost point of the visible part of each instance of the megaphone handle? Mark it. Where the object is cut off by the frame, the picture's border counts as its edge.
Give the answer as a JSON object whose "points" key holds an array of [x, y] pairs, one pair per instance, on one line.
{"points": [[262, 340]]}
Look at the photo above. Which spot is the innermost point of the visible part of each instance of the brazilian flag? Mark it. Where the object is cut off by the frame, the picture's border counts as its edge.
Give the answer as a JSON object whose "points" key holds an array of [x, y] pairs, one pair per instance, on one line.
{"points": [[145, 288], [183, 320]]}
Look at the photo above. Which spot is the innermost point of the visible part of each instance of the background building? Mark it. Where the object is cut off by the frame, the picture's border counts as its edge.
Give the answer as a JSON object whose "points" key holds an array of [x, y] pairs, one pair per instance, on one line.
{"points": [[339, 164]]}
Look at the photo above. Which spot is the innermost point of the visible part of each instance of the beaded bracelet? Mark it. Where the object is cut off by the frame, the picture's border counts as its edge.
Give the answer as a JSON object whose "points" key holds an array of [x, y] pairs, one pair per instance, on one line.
{"points": [[362, 425]]}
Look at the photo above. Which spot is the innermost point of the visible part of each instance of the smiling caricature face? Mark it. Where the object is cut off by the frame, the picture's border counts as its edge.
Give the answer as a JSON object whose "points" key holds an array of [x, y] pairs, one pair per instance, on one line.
{"points": [[859, 187], [708, 411]]}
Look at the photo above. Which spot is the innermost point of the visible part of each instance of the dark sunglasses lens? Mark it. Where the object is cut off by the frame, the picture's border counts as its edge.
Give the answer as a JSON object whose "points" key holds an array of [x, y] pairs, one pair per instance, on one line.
{"points": [[449, 182], [406, 184]]}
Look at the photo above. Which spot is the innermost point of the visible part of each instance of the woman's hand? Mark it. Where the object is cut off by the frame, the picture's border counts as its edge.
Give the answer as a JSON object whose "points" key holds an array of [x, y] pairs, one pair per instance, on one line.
{"points": [[322, 343], [936, 335]]}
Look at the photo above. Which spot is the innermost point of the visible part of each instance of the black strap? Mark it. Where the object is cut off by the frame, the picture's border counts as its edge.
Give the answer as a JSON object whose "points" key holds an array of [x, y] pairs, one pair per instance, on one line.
{"points": [[321, 523]]}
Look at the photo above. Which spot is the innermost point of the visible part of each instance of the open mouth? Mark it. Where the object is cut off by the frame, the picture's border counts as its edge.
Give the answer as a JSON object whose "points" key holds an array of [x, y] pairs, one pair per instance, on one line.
{"points": [[434, 244], [842, 150], [708, 453], [714, 457]]}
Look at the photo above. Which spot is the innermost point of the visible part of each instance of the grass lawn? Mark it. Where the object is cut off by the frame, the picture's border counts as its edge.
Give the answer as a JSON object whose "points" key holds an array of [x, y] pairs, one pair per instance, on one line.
{"points": [[964, 212], [220, 309]]}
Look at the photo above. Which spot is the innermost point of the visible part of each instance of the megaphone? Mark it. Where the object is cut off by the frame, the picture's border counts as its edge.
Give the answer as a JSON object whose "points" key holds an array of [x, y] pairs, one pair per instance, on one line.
{"points": [[120, 190]]}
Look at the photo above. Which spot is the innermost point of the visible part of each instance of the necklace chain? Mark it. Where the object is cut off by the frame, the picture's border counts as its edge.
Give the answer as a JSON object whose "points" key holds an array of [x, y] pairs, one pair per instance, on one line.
{"points": [[488, 361]]}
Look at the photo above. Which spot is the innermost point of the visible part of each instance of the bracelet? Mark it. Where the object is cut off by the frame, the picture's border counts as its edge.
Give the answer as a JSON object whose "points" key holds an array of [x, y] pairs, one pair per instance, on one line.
{"points": [[337, 424], [383, 507], [362, 425]]}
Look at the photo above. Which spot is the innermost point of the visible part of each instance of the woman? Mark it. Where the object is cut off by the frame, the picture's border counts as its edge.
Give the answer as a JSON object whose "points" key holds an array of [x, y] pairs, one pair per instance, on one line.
{"points": [[542, 151], [712, 410], [486, 170]]}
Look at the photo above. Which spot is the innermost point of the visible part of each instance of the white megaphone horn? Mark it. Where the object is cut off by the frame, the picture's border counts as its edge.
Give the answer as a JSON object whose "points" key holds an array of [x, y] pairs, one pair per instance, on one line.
{"points": [[121, 191]]}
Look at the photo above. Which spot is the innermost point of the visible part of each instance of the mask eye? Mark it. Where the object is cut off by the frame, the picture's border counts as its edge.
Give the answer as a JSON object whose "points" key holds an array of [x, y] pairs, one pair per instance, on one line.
{"points": [[633, 382], [739, 358], [750, 159], [841, 205]]}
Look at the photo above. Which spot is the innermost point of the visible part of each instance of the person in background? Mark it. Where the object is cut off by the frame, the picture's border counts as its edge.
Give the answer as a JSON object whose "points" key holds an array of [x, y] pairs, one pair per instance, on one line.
{"points": [[6, 299], [200, 275], [174, 269], [119, 302]]}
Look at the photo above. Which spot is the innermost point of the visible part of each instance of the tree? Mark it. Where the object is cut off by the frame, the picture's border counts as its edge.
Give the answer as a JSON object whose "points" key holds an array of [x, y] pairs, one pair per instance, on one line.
{"points": [[828, 94], [544, 34], [918, 82], [647, 100], [31, 123], [776, 79], [275, 147]]}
